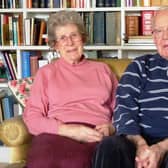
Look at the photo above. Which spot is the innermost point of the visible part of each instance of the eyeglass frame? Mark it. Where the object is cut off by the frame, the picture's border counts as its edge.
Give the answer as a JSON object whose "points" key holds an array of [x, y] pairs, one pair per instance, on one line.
{"points": [[159, 32], [74, 36]]}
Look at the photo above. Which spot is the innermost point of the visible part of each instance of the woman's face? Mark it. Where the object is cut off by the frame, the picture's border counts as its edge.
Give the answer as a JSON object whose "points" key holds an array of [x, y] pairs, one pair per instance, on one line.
{"points": [[69, 43]]}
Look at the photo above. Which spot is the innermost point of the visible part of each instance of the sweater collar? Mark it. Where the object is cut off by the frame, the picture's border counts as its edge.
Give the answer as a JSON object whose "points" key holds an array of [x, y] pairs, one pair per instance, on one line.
{"points": [[64, 62]]}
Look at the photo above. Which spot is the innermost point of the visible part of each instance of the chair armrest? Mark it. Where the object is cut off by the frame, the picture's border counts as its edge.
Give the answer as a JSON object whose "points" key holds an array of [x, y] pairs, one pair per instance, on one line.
{"points": [[13, 132]]}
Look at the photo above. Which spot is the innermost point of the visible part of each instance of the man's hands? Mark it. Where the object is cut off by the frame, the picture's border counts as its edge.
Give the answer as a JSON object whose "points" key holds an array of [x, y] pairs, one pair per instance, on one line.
{"points": [[149, 156], [84, 133]]}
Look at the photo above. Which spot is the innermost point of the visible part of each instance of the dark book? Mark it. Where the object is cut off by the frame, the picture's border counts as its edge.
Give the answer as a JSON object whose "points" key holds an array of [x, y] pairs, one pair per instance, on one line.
{"points": [[37, 24], [110, 3], [118, 3], [35, 3], [99, 27], [56, 3], [99, 3], [42, 3]]}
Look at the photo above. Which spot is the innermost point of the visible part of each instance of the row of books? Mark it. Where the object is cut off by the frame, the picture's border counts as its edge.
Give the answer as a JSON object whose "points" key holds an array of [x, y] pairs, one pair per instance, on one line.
{"points": [[11, 32], [103, 27], [140, 25], [10, 4], [8, 65], [31, 62], [34, 28], [108, 3], [130, 3], [59, 3]]}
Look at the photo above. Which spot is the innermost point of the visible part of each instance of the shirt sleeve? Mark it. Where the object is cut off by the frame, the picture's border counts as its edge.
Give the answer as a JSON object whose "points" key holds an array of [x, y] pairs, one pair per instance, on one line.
{"points": [[35, 112], [126, 113]]}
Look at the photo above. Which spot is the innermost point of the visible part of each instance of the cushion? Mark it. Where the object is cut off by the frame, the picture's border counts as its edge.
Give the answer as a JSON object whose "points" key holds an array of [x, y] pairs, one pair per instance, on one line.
{"points": [[21, 89]]}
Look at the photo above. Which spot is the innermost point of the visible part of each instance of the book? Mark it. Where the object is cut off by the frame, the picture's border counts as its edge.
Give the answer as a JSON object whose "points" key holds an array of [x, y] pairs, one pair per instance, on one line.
{"points": [[25, 64], [33, 65], [42, 62], [42, 31], [12, 58], [99, 27], [111, 27], [164, 2], [9, 64], [140, 39], [132, 25], [155, 2], [146, 2], [56, 3], [147, 22], [7, 105], [99, 3]]}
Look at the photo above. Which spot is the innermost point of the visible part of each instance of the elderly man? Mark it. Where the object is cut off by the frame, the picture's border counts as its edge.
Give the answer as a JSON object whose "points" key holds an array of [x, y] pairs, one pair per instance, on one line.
{"points": [[141, 113]]}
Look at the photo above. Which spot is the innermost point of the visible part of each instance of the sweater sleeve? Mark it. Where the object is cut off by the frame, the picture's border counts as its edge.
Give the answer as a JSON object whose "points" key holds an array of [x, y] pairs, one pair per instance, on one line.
{"points": [[114, 83], [126, 118], [35, 112]]}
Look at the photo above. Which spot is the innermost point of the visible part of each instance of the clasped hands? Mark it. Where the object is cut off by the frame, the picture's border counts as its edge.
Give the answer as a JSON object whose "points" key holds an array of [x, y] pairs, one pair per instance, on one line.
{"points": [[84, 133], [149, 156]]}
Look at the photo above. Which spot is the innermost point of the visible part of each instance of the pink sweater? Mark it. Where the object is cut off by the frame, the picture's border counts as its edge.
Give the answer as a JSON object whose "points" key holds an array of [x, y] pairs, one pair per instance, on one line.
{"points": [[62, 92]]}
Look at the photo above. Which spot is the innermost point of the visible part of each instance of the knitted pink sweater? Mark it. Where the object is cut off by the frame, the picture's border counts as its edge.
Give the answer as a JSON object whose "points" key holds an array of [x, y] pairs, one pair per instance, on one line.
{"points": [[61, 92]]}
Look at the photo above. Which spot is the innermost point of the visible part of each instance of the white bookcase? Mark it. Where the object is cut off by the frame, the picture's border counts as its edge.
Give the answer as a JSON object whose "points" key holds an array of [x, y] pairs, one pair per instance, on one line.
{"points": [[122, 51]]}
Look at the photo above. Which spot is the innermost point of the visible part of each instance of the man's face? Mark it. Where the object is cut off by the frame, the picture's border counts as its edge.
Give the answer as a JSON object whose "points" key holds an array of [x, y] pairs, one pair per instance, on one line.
{"points": [[160, 33]]}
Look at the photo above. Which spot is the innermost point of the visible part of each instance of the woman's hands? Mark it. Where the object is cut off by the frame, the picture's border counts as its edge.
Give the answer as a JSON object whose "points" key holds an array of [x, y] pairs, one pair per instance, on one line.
{"points": [[105, 129], [80, 132], [84, 133]]}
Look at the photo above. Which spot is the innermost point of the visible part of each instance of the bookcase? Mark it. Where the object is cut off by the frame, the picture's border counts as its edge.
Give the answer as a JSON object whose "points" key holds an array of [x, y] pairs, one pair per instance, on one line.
{"points": [[114, 12]]}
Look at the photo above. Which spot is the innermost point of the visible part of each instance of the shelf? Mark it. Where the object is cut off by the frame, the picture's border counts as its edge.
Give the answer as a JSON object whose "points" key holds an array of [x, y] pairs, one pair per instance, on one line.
{"points": [[49, 10], [140, 8], [12, 10]]}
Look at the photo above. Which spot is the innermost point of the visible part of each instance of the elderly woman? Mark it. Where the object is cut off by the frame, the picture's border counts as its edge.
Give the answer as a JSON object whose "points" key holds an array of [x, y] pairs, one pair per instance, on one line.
{"points": [[72, 100]]}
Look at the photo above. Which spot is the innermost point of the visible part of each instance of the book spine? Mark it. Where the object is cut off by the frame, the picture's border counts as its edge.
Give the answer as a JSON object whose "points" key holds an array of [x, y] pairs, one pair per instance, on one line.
{"points": [[99, 27], [42, 31], [56, 3], [34, 65], [9, 64], [147, 22], [25, 64], [29, 3], [7, 104], [132, 25], [99, 3]]}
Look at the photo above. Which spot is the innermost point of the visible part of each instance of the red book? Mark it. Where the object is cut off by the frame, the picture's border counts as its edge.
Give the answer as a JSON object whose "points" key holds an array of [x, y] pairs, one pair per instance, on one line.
{"points": [[147, 22], [34, 65]]}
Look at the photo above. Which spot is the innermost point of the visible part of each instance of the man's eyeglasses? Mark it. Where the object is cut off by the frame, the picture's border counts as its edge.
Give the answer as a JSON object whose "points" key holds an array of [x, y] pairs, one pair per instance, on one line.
{"points": [[73, 36], [160, 32]]}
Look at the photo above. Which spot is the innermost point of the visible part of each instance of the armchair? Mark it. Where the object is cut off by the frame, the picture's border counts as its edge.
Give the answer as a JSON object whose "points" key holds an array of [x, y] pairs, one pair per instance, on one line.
{"points": [[14, 133]]}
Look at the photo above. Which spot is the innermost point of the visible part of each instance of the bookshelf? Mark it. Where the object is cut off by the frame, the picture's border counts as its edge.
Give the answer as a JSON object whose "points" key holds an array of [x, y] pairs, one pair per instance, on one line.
{"points": [[120, 49]]}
